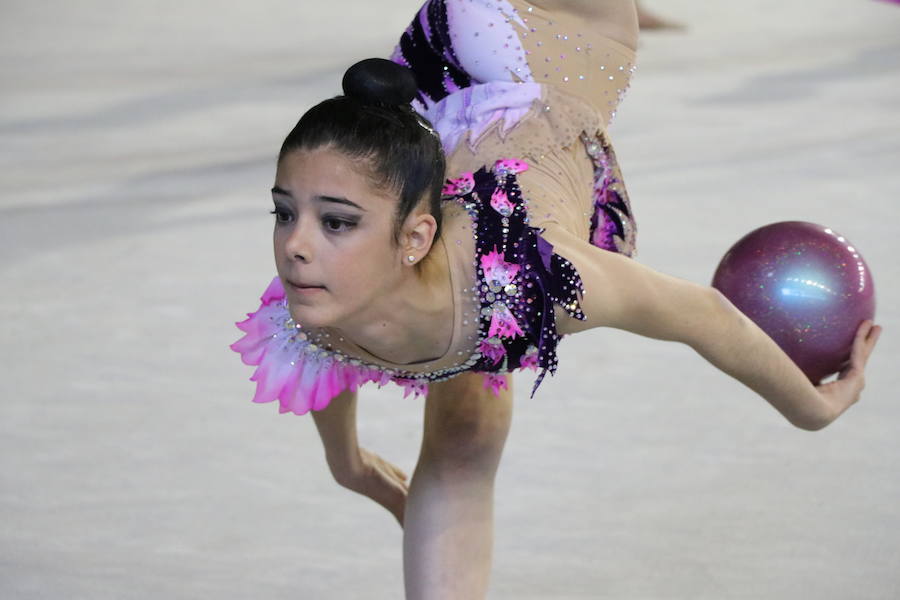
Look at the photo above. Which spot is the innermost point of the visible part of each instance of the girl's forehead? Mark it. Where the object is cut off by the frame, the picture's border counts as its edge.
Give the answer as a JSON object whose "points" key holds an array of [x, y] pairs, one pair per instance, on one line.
{"points": [[328, 171], [318, 163]]}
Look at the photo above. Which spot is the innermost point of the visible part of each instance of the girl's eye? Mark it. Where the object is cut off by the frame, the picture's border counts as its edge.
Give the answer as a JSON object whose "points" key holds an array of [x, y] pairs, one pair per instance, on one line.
{"points": [[281, 215], [337, 225]]}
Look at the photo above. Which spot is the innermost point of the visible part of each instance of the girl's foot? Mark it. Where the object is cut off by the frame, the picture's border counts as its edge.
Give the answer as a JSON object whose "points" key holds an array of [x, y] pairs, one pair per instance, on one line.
{"points": [[647, 20]]}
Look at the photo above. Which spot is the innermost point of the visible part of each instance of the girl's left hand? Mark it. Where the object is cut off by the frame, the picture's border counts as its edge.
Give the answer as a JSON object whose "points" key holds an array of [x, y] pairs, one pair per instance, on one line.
{"points": [[381, 481]]}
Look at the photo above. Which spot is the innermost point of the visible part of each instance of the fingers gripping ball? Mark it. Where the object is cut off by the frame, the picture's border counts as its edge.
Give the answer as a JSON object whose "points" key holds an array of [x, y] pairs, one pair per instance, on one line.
{"points": [[806, 286]]}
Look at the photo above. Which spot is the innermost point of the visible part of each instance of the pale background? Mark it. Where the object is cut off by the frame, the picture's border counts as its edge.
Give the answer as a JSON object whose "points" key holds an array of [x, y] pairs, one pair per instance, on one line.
{"points": [[137, 144]]}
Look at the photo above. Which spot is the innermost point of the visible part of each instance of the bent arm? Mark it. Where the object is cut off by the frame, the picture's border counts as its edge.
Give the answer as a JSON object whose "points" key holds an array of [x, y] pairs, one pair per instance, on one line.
{"points": [[337, 428], [624, 294]]}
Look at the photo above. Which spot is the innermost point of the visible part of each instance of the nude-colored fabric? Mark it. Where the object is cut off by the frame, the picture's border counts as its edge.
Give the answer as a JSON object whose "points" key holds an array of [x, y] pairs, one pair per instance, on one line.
{"points": [[569, 52]]}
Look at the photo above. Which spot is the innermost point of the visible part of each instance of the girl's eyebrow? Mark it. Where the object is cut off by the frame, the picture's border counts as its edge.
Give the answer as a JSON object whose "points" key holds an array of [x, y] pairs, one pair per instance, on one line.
{"points": [[339, 201], [283, 192]]}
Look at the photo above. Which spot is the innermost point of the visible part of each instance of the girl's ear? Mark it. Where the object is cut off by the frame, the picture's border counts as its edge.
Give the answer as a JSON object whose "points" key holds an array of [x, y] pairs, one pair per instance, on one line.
{"points": [[417, 236]]}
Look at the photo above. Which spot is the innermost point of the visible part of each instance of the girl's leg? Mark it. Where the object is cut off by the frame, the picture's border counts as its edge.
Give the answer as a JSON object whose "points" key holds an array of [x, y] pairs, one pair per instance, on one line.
{"points": [[448, 526]]}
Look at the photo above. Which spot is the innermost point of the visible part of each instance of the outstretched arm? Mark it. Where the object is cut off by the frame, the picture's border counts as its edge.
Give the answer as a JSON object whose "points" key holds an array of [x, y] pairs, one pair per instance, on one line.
{"points": [[625, 294]]}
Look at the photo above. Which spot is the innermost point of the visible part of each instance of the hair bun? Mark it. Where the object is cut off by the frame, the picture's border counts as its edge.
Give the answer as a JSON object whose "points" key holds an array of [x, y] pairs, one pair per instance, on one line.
{"points": [[378, 80]]}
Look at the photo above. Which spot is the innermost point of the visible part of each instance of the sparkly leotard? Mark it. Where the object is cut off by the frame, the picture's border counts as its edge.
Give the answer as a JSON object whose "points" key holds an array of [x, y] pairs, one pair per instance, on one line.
{"points": [[521, 98]]}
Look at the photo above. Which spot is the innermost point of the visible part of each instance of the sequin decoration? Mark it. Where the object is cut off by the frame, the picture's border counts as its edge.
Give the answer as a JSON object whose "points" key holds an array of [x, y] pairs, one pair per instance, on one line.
{"points": [[520, 278], [612, 225]]}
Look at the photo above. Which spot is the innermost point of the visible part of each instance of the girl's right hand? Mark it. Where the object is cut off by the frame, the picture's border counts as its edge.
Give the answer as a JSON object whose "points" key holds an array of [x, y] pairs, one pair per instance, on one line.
{"points": [[841, 394], [381, 481]]}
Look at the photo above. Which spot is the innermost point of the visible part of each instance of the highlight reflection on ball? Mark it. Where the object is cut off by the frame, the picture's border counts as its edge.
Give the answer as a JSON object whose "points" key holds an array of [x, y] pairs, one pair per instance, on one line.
{"points": [[803, 284]]}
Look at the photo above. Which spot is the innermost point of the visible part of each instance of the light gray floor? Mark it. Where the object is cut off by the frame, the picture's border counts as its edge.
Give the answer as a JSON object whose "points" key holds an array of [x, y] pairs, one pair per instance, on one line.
{"points": [[137, 142]]}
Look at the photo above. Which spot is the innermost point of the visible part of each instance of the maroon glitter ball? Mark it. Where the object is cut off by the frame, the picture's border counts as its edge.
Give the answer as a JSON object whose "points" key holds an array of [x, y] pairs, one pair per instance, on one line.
{"points": [[806, 286]]}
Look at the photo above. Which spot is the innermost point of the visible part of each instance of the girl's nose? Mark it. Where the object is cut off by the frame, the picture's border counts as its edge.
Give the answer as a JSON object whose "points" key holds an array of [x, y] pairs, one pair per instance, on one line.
{"points": [[299, 246]]}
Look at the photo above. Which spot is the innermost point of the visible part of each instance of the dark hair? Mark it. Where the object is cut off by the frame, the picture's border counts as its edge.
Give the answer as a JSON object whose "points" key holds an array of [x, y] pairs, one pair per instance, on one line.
{"points": [[374, 121]]}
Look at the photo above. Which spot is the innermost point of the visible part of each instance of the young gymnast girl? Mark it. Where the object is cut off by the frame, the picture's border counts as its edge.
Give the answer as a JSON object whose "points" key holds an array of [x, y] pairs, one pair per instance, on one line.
{"points": [[445, 222]]}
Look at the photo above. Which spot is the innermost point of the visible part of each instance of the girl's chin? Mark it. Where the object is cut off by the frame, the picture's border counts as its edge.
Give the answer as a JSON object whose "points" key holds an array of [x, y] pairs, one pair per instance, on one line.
{"points": [[310, 318], [307, 318]]}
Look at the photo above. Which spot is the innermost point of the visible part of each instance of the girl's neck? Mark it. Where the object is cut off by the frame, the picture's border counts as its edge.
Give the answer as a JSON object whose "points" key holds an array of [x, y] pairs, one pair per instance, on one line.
{"points": [[415, 323]]}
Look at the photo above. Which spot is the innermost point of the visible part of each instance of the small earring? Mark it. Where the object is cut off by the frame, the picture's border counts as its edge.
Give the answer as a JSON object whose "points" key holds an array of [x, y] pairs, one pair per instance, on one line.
{"points": [[411, 258]]}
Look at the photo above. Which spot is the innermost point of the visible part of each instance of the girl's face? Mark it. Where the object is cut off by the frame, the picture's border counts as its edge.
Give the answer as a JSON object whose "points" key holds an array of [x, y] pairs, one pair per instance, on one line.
{"points": [[334, 250]]}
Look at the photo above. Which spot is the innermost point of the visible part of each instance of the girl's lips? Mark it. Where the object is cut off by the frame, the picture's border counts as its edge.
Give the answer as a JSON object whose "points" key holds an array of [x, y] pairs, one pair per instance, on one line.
{"points": [[302, 287]]}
